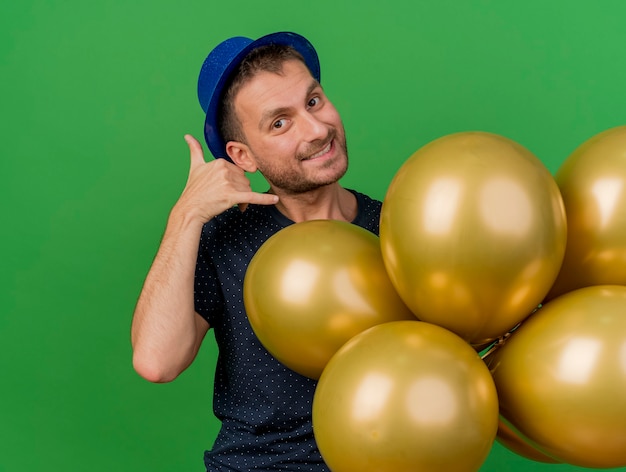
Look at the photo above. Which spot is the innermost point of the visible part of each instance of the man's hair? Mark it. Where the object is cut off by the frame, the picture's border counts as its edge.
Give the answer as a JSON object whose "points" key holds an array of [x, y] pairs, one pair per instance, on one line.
{"points": [[269, 58]]}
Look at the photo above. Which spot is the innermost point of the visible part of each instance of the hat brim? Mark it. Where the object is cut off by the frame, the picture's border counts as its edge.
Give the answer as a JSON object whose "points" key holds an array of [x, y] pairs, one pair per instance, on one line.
{"points": [[216, 144]]}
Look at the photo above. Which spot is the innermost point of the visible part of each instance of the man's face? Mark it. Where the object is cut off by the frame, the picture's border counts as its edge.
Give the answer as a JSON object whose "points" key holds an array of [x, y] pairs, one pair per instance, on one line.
{"points": [[294, 133]]}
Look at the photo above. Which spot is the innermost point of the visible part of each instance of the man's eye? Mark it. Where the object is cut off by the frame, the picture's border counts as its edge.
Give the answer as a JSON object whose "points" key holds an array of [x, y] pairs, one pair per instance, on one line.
{"points": [[314, 101], [278, 124]]}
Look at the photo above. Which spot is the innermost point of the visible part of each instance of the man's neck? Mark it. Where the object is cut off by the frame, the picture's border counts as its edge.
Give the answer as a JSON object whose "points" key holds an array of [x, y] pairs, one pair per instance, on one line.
{"points": [[331, 202]]}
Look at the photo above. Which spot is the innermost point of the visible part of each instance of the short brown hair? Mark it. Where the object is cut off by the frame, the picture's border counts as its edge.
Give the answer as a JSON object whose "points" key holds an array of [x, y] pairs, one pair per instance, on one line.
{"points": [[269, 58]]}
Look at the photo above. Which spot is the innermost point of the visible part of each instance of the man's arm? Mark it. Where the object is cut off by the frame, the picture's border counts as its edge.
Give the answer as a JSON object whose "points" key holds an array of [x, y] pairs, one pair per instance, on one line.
{"points": [[166, 332]]}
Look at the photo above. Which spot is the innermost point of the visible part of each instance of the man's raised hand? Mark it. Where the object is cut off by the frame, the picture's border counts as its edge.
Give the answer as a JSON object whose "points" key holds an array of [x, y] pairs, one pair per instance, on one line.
{"points": [[213, 187]]}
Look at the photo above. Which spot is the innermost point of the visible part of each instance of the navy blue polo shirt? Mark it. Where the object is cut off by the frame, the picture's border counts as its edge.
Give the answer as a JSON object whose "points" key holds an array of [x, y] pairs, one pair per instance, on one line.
{"points": [[265, 408]]}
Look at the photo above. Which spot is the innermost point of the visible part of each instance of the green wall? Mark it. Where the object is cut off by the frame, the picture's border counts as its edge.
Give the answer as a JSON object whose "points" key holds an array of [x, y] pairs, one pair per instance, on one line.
{"points": [[96, 97]]}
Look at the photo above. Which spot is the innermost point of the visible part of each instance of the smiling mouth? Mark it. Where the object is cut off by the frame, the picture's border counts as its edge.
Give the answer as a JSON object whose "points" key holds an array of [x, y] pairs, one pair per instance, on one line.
{"points": [[323, 151]]}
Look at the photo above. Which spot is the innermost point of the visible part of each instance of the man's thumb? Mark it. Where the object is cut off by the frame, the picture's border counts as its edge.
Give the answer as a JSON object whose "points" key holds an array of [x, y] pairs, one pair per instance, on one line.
{"points": [[195, 151]]}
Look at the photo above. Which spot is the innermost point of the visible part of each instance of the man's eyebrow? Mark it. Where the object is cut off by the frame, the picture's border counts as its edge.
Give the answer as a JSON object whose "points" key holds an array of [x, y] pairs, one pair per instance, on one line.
{"points": [[279, 111], [269, 114], [314, 84]]}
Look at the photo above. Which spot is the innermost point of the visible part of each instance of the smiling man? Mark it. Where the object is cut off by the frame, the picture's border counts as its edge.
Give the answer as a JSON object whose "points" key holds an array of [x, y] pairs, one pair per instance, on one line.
{"points": [[265, 111]]}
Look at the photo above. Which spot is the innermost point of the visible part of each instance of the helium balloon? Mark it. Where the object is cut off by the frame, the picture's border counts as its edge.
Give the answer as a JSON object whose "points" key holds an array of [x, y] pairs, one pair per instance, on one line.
{"points": [[405, 396], [314, 285], [473, 234], [592, 181], [510, 439], [561, 377]]}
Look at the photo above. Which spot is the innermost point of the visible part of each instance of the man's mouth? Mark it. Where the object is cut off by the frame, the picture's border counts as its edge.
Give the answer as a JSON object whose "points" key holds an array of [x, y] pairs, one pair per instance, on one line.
{"points": [[321, 152]]}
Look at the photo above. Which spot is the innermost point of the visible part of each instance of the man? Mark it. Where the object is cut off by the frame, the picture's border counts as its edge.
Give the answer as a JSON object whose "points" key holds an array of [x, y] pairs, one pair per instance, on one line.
{"points": [[266, 111]]}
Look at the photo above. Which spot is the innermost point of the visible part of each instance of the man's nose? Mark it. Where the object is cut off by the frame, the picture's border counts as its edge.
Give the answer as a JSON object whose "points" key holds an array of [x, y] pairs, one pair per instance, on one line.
{"points": [[313, 129]]}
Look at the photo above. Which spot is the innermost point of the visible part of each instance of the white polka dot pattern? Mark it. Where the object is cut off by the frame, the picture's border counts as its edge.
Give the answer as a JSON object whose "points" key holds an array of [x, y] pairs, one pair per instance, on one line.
{"points": [[265, 407]]}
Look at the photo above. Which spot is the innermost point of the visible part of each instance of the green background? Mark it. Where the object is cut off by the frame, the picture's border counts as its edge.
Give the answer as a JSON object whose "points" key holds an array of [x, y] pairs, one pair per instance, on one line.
{"points": [[96, 98]]}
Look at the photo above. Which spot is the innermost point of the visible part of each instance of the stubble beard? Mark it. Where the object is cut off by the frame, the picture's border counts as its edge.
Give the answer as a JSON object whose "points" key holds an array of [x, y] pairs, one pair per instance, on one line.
{"points": [[294, 183]]}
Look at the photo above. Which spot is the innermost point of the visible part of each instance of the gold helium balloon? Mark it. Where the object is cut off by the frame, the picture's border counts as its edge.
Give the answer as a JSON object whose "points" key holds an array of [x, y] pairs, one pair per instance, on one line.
{"points": [[510, 439], [314, 285], [473, 234], [405, 396], [592, 181], [561, 377]]}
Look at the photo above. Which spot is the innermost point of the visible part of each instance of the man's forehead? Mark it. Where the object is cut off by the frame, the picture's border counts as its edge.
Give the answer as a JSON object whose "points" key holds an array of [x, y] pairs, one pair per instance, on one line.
{"points": [[266, 88], [284, 69]]}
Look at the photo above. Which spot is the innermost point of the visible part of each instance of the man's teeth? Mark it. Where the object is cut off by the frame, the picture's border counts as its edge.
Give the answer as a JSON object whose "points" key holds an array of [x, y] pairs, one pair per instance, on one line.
{"points": [[322, 152]]}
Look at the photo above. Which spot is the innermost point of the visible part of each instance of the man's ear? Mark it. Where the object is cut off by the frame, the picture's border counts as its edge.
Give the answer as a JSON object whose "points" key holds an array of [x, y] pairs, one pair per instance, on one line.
{"points": [[240, 154]]}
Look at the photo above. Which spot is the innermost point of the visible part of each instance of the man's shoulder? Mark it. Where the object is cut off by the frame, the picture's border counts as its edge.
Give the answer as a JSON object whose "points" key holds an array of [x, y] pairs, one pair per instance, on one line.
{"points": [[368, 214], [236, 225], [365, 198], [234, 217]]}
